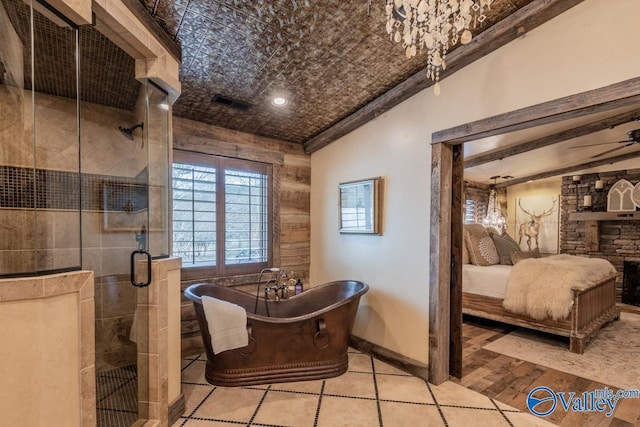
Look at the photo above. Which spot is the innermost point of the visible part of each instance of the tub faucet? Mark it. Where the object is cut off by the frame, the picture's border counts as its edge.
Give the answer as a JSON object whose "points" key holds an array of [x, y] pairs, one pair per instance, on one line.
{"points": [[273, 271]]}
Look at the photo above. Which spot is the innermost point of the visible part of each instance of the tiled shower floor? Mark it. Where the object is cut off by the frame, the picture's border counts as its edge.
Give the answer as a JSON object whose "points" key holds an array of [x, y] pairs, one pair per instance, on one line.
{"points": [[116, 397], [371, 393]]}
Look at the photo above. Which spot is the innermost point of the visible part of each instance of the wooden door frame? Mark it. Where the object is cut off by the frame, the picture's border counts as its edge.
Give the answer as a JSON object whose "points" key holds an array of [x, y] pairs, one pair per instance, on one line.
{"points": [[447, 171]]}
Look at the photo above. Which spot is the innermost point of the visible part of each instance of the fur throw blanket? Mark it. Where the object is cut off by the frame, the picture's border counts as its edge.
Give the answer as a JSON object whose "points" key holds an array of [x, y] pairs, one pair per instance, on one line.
{"points": [[541, 287]]}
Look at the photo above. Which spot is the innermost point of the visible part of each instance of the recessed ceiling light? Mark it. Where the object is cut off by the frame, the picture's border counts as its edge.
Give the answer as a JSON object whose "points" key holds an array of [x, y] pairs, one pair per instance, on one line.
{"points": [[279, 101]]}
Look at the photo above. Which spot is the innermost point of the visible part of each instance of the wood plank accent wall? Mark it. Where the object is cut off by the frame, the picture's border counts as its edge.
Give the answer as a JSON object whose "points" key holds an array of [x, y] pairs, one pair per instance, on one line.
{"points": [[292, 201]]}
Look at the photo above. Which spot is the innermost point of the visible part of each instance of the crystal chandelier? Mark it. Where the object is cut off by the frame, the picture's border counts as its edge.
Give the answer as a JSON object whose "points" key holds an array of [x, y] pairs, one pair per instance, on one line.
{"points": [[434, 26], [494, 216]]}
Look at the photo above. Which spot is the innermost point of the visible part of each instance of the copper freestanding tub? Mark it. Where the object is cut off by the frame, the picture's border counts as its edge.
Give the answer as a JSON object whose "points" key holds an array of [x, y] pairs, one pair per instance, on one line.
{"points": [[305, 337]]}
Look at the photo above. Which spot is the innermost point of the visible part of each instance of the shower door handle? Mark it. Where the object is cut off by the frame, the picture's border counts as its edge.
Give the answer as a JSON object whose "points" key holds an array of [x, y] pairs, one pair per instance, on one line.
{"points": [[133, 269]]}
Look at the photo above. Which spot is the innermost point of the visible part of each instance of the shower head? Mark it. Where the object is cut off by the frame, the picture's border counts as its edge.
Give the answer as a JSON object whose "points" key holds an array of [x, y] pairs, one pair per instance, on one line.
{"points": [[128, 132]]}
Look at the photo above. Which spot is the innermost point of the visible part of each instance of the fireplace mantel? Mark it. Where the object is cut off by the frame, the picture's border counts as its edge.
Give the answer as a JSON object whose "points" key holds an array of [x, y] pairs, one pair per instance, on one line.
{"points": [[591, 229], [604, 216]]}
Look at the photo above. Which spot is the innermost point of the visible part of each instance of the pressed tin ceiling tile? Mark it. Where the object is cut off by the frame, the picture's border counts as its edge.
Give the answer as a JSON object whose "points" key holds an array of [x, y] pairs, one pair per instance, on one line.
{"points": [[504, 8], [172, 13], [329, 58], [204, 8]]}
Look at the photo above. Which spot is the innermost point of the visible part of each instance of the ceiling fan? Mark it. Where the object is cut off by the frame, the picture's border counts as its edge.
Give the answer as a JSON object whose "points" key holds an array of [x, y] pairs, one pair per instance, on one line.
{"points": [[633, 138]]}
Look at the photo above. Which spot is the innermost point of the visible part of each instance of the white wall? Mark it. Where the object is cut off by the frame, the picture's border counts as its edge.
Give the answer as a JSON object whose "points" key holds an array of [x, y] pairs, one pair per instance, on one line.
{"points": [[587, 47], [388, 263]]}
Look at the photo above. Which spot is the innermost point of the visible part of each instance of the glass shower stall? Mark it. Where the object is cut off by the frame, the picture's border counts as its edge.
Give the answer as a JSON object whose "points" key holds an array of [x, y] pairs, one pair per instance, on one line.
{"points": [[84, 164]]}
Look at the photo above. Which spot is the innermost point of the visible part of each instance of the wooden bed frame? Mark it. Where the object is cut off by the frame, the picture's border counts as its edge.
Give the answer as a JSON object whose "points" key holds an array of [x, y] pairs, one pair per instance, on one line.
{"points": [[592, 308]]}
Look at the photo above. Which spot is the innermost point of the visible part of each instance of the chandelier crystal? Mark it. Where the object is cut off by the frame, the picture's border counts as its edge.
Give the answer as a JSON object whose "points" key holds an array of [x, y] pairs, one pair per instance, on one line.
{"points": [[433, 26], [494, 216]]}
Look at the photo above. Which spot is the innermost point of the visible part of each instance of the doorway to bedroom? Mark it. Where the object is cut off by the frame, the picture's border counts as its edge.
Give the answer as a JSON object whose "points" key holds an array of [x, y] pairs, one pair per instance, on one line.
{"points": [[573, 114]]}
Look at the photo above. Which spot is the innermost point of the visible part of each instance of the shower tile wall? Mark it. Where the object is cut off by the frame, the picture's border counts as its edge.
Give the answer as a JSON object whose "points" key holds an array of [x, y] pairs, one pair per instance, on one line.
{"points": [[46, 239], [110, 179], [99, 132], [15, 127]]}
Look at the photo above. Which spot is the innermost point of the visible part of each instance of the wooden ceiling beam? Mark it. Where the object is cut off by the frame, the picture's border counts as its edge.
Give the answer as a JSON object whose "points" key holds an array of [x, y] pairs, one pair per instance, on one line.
{"points": [[545, 141], [515, 25], [617, 95], [569, 169]]}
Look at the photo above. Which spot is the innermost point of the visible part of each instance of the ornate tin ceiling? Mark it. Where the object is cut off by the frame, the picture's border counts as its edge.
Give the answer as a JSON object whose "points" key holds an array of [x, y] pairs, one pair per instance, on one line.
{"points": [[328, 58]]}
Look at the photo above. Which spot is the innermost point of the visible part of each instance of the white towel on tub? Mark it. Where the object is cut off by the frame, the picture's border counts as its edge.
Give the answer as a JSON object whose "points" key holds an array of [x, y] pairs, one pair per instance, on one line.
{"points": [[227, 324]]}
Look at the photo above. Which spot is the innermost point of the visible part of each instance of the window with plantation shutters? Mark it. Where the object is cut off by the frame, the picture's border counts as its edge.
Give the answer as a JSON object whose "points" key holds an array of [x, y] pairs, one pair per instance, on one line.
{"points": [[474, 211], [476, 199], [246, 217], [194, 214], [221, 214]]}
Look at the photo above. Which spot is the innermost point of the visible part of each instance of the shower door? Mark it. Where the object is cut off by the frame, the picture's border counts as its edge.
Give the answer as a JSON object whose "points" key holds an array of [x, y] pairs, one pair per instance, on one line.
{"points": [[124, 163], [115, 220]]}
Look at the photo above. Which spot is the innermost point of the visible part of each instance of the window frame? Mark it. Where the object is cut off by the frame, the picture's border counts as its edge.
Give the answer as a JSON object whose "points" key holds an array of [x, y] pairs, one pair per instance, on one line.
{"points": [[221, 164], [479, 197]]}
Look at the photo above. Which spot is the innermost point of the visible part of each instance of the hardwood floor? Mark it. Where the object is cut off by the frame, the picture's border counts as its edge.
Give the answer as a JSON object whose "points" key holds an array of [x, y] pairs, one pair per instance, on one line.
{"points": [[509, 380]]}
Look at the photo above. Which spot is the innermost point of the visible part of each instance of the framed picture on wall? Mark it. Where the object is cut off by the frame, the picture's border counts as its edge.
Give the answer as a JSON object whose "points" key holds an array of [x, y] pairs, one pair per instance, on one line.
{"points": [[360, 206], [538, 223]]}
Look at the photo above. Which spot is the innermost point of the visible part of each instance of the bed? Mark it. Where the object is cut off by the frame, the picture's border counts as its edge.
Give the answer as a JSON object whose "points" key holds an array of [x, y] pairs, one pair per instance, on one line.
{"points": [[484, 289]]}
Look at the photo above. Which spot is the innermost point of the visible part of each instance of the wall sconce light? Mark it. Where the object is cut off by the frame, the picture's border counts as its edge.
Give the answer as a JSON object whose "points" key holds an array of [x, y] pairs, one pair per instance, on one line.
{"points": [[599, 184], [576, 178]]}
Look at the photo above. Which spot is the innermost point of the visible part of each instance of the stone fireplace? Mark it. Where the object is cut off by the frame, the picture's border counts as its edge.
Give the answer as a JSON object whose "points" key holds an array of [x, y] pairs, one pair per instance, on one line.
{"points": [[594, 232]]}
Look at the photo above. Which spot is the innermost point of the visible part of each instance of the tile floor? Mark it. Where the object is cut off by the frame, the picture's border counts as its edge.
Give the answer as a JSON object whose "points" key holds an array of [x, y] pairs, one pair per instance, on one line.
{"points": [[117, 397], [371, 393]]}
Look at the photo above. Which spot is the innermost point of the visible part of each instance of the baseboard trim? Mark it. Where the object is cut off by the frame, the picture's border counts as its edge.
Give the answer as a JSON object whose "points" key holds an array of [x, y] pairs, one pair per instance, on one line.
{"points": [[391, 357], [176, 409]]}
